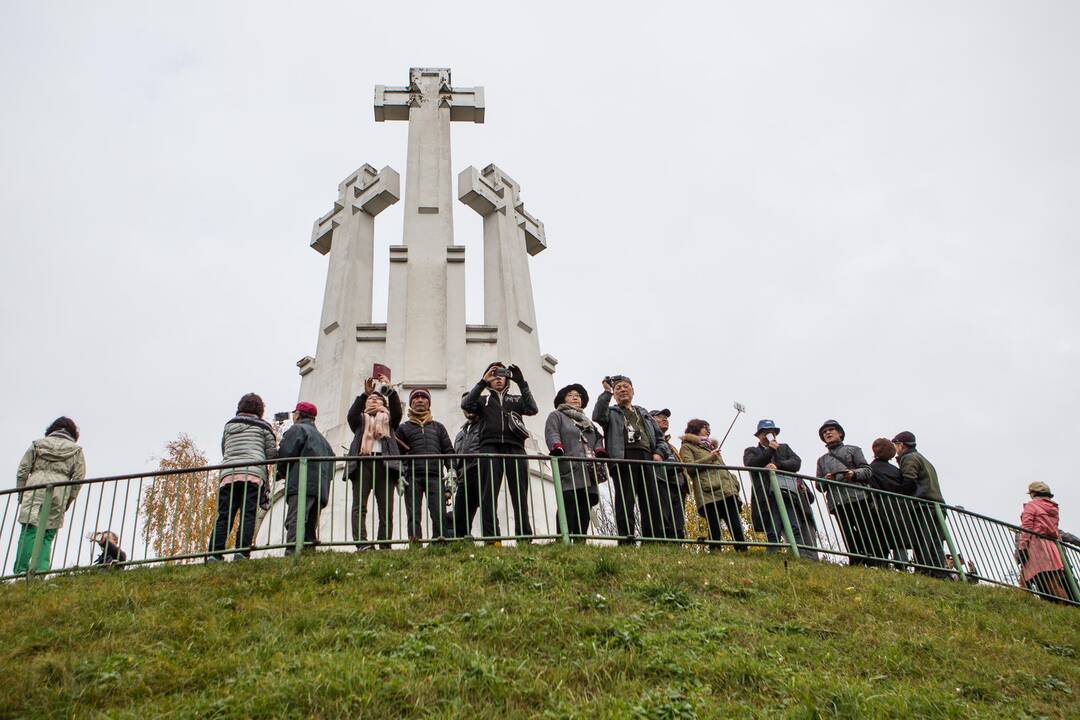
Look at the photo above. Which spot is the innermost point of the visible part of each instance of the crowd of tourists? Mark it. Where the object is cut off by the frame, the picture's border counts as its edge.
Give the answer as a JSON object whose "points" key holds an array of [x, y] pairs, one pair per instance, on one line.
{"points": [[651, 474]]}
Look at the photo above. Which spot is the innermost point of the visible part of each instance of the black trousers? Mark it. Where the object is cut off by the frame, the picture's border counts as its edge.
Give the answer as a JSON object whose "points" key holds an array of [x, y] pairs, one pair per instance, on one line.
{"points": [[235, 498], [672, 508], [377, 477], [311, 521], [578, 503], [416, 488], [927, 540], [638, 482], [726, 511], [861, 528], [471, 495], [516, 471]]}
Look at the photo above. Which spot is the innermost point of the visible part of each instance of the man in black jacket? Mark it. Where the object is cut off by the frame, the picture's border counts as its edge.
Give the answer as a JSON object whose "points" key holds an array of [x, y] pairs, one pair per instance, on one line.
{"points": [[671, 483], [503, 433], [468, 498], [303, 440], [796, 494], [894, 513], [422, 435]]}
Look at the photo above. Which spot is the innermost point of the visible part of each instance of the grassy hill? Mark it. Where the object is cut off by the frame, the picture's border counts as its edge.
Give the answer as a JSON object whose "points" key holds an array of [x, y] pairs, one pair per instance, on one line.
{"points": [[551, 632]]}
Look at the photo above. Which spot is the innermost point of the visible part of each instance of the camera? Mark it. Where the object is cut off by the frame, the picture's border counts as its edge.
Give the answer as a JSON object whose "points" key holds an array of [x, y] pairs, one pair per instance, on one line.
{"points": [[502, 372]]}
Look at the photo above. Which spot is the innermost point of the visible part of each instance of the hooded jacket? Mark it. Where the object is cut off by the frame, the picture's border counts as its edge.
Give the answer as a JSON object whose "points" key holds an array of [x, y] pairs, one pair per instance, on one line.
{"points": [[492, 409], [710, 484], [841, 458], [52, 459], [1038, 552]]}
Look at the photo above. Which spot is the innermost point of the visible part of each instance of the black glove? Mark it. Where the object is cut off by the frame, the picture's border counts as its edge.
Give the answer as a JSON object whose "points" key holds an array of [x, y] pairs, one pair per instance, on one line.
{"points": [[516, 375]]}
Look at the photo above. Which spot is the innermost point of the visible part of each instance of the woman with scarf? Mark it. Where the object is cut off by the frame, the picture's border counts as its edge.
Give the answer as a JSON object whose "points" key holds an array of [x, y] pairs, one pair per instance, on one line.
{"points": [[374, 418], [570, 433], [715, 489]]}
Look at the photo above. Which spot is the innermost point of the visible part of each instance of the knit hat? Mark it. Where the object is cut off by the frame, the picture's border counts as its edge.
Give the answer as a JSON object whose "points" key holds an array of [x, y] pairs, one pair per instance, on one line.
{"points": [[419, 392], [883, 449], [829, 424], [906, 438], [1040, 488], [560, 397], [306, 408]]}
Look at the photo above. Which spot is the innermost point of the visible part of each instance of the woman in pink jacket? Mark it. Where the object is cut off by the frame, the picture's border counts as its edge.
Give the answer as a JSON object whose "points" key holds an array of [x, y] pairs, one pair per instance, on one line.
{"points": [[1041, 568]]}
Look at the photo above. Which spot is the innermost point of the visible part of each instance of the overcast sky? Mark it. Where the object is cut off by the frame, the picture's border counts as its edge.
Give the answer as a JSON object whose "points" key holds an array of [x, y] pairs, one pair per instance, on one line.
{"points": [[857, 210]]}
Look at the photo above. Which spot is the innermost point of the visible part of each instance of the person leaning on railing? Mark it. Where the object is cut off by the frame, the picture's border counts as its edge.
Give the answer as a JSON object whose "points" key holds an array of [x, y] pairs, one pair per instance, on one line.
{"points": [[246, 437], [919, 472], [303, 440], [1041, 568], [715, 489], [374, 418], [854, 507], [54, 458], [898, 531], [631, 433], [770, 454], [570, 433]]}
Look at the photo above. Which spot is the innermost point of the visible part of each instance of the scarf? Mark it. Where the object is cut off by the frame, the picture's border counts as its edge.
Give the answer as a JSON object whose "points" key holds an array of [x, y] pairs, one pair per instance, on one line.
{"points": [[420, 419], [580, 419], [707, 443], [376, 428]]}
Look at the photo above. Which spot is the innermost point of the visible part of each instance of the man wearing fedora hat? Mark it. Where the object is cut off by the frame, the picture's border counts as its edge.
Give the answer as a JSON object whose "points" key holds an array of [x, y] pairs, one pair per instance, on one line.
{"points": [[771, 454], [916, 471]]}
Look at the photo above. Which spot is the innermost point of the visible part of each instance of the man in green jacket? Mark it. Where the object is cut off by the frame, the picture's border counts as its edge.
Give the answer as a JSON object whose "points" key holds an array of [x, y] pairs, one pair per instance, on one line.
{"points": [[927, 536]]}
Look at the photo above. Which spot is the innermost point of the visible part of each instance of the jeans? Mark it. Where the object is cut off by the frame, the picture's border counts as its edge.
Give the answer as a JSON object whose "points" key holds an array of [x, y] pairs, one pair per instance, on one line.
{"points": [[239, 497], [517, 482]]}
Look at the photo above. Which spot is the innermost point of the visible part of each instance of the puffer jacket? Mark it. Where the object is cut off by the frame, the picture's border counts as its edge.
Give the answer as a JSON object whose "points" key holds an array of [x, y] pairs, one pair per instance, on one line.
{"points": [[52, 459], [247, 437], [841, 458], [431, 438], [1039, 554], [710, 484]]}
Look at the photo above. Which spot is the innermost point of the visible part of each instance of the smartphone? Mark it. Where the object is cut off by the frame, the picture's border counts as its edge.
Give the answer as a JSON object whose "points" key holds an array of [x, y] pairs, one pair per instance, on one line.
{"points": [[770, 437], [379, 369], [281, 416]]}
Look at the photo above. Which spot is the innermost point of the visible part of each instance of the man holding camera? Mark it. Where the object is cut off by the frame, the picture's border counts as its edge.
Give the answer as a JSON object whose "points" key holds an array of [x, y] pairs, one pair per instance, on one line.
{"points": [[631, 433], [503, 433]]}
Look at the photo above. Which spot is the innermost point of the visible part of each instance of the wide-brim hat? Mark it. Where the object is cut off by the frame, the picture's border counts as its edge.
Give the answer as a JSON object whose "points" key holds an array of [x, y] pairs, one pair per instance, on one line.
{"points": [[829, 424], [560, 397], [767, 426]]}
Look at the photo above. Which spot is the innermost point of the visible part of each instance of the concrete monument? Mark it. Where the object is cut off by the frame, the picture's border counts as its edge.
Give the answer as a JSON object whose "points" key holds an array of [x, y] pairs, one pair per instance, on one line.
{"points": [[425, 340]]}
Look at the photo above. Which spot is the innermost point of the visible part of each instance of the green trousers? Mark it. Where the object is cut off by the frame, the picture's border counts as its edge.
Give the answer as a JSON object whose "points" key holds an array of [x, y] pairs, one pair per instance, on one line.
{"points": [[26, 549]]}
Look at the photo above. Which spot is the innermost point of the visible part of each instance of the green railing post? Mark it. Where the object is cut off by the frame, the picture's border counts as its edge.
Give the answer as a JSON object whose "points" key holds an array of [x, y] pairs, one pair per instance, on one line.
{"points": [[779, 497], [301, 507], [42, 528], [1069, 576], [560, 502], [958, 565]]}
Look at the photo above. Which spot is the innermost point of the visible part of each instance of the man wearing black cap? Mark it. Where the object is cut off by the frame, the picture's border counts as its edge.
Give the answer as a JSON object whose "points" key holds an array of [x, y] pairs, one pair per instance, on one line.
{"points": [[420, 434], [630, 433], [853, 506], [797, 496], [916, 470], [672, 487], [503, 433]]}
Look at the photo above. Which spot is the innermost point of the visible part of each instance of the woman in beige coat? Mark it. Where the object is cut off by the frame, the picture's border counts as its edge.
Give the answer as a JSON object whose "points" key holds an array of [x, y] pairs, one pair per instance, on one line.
{"points": [[715, 489], [54, 458]]}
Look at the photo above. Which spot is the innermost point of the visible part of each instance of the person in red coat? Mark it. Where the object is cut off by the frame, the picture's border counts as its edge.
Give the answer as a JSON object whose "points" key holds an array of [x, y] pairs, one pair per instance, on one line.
{"points": [[1041, 568]]}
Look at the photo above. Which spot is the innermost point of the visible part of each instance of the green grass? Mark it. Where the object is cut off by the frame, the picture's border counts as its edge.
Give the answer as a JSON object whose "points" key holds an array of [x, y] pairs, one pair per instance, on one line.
{"points": [[549, 632]]}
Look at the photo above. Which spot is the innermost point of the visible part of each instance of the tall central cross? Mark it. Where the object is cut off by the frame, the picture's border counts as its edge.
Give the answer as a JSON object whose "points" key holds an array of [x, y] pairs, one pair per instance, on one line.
{"points": [[427, 265]]}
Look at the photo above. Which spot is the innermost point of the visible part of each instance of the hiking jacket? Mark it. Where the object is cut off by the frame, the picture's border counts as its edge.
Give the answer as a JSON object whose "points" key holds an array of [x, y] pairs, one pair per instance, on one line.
{"points": [[838, 459], [492, 409], [710, 484], [247, 437], [303, 439], [52, 459], [918, 471]]}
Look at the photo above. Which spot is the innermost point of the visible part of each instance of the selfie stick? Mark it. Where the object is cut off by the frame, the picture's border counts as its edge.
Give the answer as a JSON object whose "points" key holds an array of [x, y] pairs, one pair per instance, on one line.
{"points": [[739, 409]]}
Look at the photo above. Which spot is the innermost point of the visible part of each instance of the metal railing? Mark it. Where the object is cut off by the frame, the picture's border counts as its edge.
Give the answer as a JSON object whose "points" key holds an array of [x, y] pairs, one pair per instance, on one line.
{"points": [[190, 515]]}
